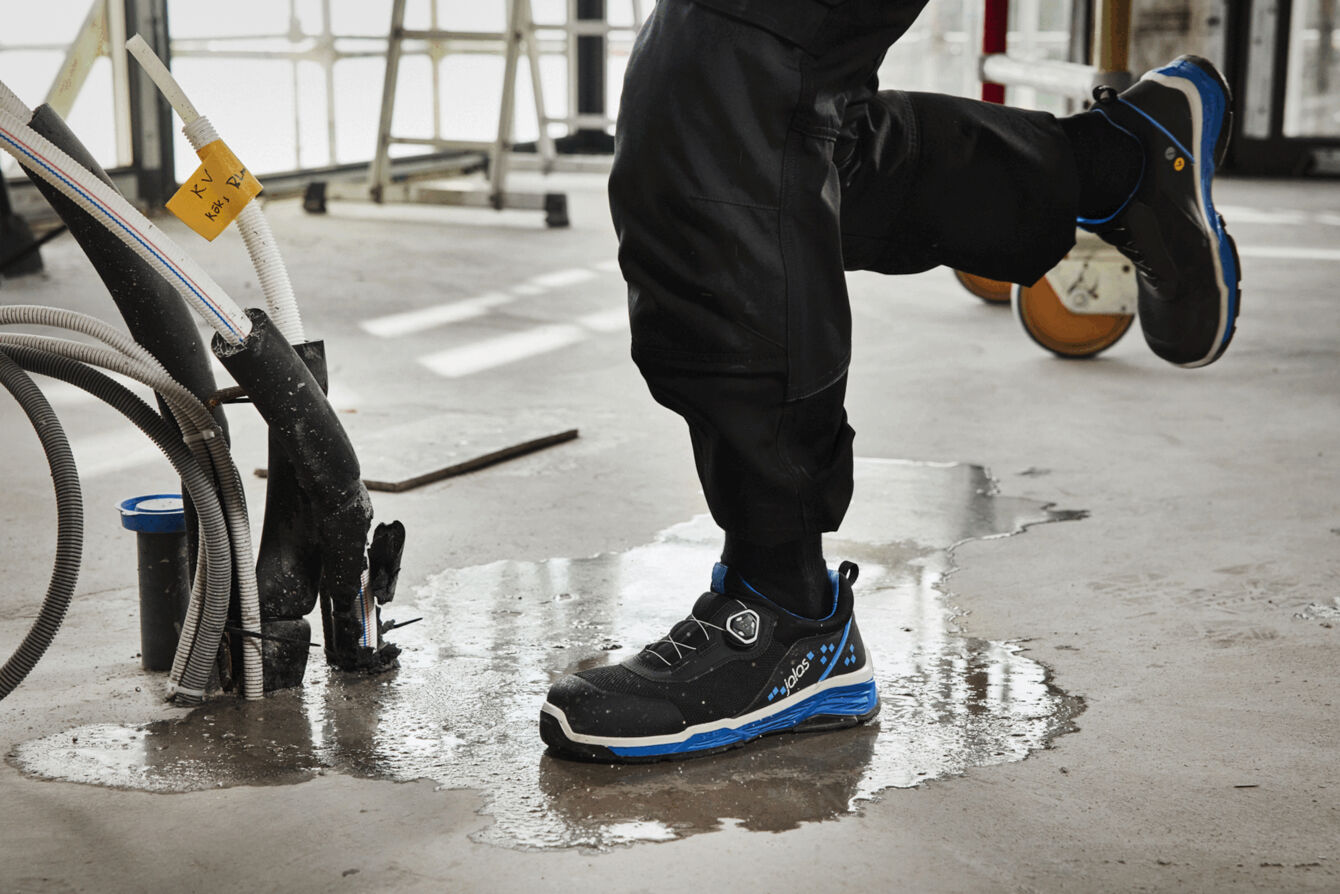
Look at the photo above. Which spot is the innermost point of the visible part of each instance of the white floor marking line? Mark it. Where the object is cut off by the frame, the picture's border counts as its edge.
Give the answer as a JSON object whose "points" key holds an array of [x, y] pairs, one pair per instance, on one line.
{"points": [[1289, 253], [1246, 214], [614, 320], [222, 378], [493, 352], [343, 398], [114, 451], [438, 315], [409, 322], [560, 278], [1235, 214]]}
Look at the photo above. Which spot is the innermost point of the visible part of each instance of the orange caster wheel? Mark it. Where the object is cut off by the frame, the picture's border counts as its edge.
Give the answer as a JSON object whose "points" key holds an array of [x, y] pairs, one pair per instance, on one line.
{"points": [[992, 291], [1062, 331]]}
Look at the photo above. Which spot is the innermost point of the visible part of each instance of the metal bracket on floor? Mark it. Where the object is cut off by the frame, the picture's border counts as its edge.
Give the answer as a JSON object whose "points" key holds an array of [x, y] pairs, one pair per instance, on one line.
{"points": [[553, 204]]}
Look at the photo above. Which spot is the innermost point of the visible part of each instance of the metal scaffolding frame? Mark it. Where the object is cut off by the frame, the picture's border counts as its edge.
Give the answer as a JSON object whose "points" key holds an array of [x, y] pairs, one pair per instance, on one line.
{"points": [[493, 156], [142, 170]]}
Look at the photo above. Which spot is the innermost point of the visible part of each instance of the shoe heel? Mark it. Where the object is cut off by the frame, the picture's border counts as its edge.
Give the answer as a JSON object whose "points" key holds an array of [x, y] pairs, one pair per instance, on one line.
{"points": [[1237, 291], [1221, 145], [1208, 68], [821, 722]]}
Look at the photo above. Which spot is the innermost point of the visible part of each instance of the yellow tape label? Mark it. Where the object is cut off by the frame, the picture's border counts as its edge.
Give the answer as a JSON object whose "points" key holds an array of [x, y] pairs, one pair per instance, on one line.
{"points": [[216, 193]]}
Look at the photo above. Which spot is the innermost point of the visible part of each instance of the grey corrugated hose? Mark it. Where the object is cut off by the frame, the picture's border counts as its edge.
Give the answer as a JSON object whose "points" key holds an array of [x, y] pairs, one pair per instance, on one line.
{"points": [[69, 524]]}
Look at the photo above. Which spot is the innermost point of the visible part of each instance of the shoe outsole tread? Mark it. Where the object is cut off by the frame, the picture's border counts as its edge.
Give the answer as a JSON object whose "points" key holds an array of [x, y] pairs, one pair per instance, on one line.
{"points": [[551, 732]]}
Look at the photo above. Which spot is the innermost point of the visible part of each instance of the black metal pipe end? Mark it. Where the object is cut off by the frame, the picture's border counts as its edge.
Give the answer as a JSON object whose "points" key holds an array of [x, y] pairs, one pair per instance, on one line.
{"points": [[288, 560], [165, 592], [304, 425]]}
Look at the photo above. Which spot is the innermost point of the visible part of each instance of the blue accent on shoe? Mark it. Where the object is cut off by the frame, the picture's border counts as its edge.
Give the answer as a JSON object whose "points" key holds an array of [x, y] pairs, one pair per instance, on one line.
{"points": [[1191, 156], [828, 670], [809, 655], [1096, 221], [823, 659], [719, 578], [1214, 104], [843, 701]]}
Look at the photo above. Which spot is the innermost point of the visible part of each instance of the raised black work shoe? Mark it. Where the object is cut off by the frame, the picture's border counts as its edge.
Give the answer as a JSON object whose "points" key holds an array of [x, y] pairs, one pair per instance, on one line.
{"points": [[1187, 264], [737, 668]]}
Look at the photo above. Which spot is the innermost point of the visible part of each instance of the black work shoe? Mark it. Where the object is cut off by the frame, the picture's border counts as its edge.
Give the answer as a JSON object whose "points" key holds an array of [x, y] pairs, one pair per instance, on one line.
{"points": [[1187, 265], [737, 668]]}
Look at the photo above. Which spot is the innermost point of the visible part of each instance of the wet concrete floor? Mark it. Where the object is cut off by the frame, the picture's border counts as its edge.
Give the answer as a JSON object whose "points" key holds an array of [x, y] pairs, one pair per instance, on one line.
{"points": [[462, 709]]}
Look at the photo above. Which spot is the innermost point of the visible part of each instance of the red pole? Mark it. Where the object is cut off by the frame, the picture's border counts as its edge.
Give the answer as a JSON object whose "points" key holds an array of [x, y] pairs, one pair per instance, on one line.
{"points": [[995, 26]]}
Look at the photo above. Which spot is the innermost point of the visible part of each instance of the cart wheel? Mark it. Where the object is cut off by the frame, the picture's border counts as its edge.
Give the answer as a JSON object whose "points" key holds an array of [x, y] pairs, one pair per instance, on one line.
{"points": [[992, 291], [1061, 331]]}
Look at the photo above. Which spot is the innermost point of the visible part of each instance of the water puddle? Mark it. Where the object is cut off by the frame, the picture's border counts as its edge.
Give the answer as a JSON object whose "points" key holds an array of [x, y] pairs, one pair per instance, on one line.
{"points": [[463, 708]]}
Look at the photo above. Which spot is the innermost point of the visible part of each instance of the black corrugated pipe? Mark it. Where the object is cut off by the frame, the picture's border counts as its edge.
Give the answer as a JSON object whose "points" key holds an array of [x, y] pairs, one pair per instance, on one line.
{"points": [[154, 313], [69, 525], [288, 560], [289, 398]]}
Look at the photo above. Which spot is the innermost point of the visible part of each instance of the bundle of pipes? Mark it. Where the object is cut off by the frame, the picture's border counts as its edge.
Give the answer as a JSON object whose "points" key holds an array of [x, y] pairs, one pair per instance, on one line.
{"points": [[200, 456], [317, 511]]}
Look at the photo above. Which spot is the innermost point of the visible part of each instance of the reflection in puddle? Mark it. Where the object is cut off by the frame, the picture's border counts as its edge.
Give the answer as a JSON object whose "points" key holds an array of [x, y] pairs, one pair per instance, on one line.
{"points": [[463, 708]]}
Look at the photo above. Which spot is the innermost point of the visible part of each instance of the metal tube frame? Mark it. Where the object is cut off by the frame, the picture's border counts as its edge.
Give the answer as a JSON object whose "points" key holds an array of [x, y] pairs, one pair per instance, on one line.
{"points": [[1109, 60], [519, 37], [142, 122]]}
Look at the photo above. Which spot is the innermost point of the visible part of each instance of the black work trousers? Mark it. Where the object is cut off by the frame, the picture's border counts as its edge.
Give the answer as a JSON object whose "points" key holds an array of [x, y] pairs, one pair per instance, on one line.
{"points": [[755, 160]]}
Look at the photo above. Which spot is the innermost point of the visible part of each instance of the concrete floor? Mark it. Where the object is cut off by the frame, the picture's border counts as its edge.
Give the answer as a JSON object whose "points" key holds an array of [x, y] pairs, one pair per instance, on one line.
{"points": [[1193, 612]]}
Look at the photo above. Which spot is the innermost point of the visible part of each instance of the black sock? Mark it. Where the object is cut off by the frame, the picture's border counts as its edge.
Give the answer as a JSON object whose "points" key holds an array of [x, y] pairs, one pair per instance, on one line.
{"points": [[793, 574], [1109, 162]]}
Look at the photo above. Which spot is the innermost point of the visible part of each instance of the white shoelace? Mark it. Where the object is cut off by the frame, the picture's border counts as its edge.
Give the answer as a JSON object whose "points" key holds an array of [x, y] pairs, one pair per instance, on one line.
{"points": [[678, 646]]}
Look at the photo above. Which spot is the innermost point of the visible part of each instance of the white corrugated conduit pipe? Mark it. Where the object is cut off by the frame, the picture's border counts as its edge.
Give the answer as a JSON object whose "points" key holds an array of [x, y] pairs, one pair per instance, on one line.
{"points": [[281, 305], [201, 433]]}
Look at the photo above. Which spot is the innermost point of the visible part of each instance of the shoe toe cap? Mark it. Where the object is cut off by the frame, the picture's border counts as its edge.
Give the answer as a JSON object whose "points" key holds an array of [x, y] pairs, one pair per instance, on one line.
{"points": [[591, 710]]}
